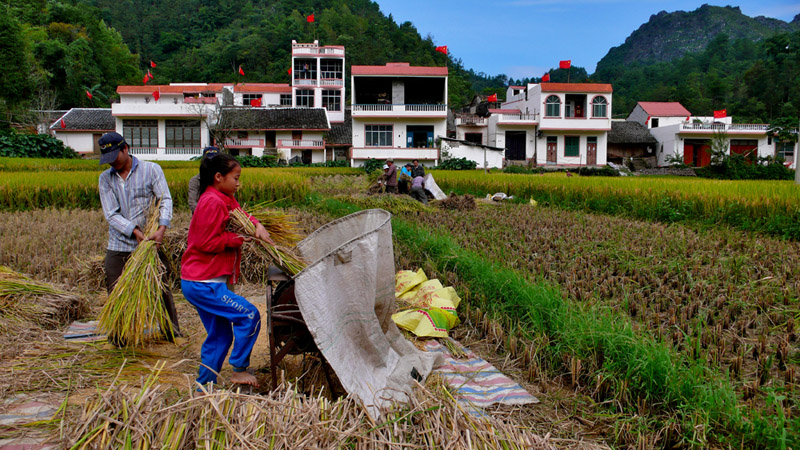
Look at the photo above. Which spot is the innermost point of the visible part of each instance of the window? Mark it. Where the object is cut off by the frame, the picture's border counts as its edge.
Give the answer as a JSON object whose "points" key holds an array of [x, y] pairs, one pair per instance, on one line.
{"points": [[140, 133], [475, 138], [553, 106], [246, 98], [654, 123], [591, 140], [571, 144], [785, 150], [419, 136], [332, 100], [378, 136], [183, 133], [286, 99], [305, 69], [331, 69], [599, 107], [304, 97]]}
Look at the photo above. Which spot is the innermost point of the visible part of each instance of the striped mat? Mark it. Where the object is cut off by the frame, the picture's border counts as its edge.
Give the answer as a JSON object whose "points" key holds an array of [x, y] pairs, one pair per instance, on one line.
{"points": [[83, 332], [475, 382]]}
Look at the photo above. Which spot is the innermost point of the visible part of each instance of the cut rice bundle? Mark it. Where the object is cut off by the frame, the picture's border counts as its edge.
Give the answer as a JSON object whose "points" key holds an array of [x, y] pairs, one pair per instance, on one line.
{"points": [[134, 310], [283, 257], [25, 300], [282, 227]]}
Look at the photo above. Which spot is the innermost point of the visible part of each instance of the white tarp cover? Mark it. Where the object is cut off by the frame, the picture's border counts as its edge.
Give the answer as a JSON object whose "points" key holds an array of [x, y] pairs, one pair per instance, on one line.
{"points": [[433, 188], [346, 296]]}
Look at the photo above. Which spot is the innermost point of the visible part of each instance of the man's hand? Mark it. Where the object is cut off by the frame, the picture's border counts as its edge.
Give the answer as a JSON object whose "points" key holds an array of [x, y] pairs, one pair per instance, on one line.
{"points": [[262, 234], [137, 233], [158, 236]]}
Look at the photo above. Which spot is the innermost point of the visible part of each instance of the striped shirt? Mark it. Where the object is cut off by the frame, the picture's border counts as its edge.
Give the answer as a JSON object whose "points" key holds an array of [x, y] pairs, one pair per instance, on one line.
{"points": [[126, 202]]}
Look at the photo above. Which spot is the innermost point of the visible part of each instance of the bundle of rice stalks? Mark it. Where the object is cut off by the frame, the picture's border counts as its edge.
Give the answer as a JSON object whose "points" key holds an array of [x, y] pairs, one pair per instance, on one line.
{"points": [[396, 204], [149, 417], [283, 257], [134, 311], [459, 202], [27, 301], [282, 228]]}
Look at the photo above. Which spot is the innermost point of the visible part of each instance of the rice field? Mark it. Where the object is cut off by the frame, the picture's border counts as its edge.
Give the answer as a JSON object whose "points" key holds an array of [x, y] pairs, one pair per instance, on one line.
{"points": [[771, 207]]}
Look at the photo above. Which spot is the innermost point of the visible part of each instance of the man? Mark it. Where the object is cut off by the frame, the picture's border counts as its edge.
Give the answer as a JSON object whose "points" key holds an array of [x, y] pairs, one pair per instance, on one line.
{"points": [[404, 181], [194, 182], [418, 190], [417, 170], [126, 191], [390, 176]]}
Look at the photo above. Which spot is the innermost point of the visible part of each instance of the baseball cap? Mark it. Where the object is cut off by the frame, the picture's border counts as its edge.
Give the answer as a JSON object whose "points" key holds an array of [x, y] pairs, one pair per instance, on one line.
{"points": [[385, 166], [210, 152], [110, 145]]}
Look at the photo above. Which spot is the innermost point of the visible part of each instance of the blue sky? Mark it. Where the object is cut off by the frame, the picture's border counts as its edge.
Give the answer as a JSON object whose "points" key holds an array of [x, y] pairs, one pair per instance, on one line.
{"points": [[527, 37]]}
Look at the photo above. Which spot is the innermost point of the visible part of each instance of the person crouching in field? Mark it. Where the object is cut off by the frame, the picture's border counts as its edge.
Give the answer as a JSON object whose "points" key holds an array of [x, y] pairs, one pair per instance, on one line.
{"points": [[210, 261], [126, 191]]}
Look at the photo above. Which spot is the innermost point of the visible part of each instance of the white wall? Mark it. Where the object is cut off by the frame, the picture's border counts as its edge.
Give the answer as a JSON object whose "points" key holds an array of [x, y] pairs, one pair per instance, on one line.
{"points": [[493, 158], [399, 135], [461, 132], [602, 148], [81, 142]]}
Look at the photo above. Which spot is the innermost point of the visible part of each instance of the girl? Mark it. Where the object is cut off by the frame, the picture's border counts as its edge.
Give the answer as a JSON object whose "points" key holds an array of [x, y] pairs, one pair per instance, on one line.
{"points": [[211, 260]]}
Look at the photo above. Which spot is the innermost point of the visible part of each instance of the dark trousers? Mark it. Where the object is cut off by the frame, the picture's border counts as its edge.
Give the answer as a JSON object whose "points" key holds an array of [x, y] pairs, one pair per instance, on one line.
{"points": [[418, 193], [391, 189], [115, 262]]}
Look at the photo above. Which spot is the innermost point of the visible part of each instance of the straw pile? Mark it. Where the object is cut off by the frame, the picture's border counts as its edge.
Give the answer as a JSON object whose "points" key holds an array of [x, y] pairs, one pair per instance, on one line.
{"points": [[396, 204], [24, 301], [459, 202], [123, 417], [134, 309], [280, 255]]}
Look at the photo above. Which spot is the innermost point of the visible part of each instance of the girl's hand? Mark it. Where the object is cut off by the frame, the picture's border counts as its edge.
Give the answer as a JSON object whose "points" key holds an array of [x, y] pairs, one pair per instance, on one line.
{"points": [[262, 234], [246, 238]]}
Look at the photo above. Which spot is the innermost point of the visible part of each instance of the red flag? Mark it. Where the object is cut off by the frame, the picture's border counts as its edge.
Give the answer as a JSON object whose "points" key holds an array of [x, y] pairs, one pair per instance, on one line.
{"points": [[152, 64], [310, 18], [492, 98], [546, 78], [63, 124], [149, 75], [289, 71], [156, 95], [256, 102], [241, 72], [647, 120], [145, 79], [721, 114], [688, 118], [442, 49], [566, 64], [89, 94]]}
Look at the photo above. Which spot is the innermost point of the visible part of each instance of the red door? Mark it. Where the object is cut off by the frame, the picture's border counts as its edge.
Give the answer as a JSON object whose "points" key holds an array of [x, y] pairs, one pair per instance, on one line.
{"points": [[688, 154], [591, 154], [552, 152]]}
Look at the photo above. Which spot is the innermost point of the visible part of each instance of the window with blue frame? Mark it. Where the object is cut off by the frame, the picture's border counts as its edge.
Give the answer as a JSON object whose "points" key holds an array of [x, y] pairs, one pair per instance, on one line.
{"points": [[419, 136]]}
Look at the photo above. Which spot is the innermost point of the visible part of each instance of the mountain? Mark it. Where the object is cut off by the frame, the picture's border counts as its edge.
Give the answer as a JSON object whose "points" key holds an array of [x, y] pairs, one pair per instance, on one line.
{"points": [[667, 36]]}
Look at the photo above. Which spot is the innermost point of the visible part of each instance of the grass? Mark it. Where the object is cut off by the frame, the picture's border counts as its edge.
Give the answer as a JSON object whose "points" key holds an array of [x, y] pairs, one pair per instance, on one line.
{"points": [[623, 366], [771, 207]]}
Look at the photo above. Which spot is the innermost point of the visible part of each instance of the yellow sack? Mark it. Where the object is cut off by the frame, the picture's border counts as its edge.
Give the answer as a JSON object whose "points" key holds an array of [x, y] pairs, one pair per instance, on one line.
{"points": [[431, 322], [406, 280], [420, 295]]}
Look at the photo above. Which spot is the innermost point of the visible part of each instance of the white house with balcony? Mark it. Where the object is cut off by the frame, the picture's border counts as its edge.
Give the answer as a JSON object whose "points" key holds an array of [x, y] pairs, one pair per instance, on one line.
{"points": [[269, 95], [398, 112], [318, 78], [682, 135], [558, 124]]}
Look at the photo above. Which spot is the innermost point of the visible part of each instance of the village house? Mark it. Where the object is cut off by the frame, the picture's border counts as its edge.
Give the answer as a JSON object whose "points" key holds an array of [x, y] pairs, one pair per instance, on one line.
{"points": [[688, 138], [398, 112], [80, 128]]}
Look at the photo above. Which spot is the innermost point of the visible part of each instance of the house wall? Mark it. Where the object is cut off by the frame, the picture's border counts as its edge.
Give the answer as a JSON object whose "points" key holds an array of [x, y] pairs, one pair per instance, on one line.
{"points": [[462, 130], [602, 148], [81, 142], [267, 98], [493, 158], [499, 138], [668, 142]]}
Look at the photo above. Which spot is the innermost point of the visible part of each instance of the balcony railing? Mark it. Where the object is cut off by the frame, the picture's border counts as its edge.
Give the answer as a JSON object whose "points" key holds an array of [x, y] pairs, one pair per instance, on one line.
{"points": [[331, 82], [517, 118], [471, 120], [305, 82], [690, 126], [205, 100], [166, 153], [301, 143], [235, 142], [398, 108], [311, 49]]}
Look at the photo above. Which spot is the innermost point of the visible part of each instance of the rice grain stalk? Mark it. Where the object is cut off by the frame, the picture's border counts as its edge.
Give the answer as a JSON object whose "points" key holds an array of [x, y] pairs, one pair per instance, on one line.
{"points": [[282, 228], [133, 311], [25, 300], [283, 257]]}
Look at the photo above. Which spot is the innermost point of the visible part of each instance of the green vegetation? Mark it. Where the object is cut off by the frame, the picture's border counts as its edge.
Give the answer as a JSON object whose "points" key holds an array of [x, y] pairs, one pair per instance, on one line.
{"points": [[33, 146]]}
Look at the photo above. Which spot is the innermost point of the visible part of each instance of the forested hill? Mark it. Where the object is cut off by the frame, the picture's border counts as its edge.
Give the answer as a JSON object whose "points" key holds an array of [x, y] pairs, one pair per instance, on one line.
{"points": [[69, 46], [667, 36]]}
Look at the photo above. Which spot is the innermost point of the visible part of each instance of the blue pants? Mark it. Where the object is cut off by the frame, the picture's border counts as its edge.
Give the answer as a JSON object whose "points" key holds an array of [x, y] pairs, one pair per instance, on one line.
{"points": [[225, 315]]}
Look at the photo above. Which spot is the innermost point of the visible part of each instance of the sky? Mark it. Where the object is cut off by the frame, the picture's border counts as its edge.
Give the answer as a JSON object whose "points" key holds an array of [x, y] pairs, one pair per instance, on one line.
{"points": [[524, 38]]}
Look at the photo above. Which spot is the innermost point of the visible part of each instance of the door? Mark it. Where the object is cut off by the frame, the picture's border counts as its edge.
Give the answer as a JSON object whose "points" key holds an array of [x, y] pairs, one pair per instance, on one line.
{"points": [[96, 147], [297, 136], [307, 156], [269, 139], [515, 145], [697, 153], [591, 151], [552, 149]]}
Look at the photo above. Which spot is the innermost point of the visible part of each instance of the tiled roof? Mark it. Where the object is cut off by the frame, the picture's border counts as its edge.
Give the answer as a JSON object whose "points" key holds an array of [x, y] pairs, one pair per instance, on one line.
{"points": [[577, 87], [341, 133], [517, 87], [629, 132], [399, 69], [504, 111], [171, 89], [665, 109], [263, 87], [86, 119], [246, 118]]}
